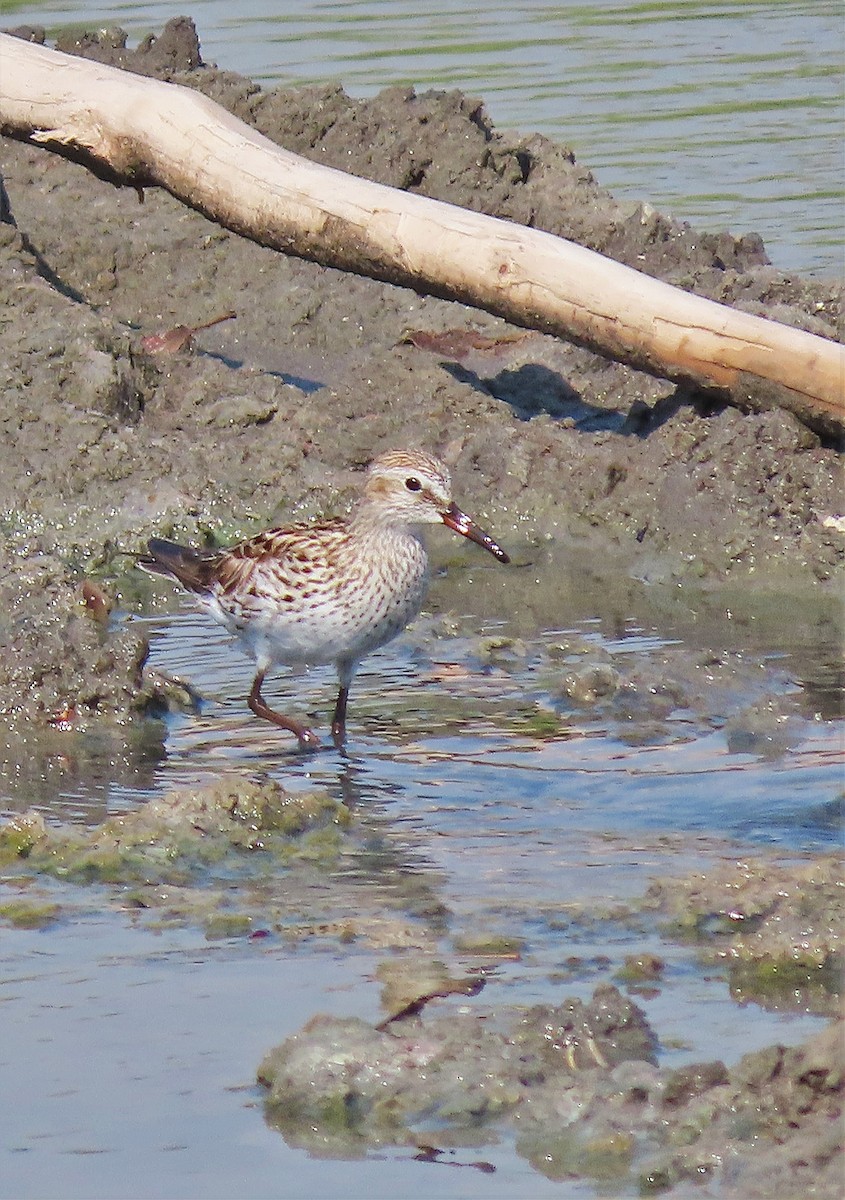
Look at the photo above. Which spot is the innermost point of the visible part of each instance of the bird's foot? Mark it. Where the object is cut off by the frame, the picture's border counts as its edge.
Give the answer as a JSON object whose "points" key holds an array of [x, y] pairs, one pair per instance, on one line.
{"points": [[307, 739]]}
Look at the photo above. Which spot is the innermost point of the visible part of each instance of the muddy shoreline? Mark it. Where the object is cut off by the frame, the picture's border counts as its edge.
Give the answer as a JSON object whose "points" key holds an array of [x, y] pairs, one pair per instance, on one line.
{"points": [[652, 495], [270, 415]]}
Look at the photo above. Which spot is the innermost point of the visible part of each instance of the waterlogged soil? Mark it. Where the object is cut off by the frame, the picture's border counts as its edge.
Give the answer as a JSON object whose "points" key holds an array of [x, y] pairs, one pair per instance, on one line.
{"points": [[619, 497]]}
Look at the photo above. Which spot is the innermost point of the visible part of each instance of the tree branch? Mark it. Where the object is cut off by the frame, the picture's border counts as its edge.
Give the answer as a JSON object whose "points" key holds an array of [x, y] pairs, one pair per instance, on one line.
{"points": [[141, 132]]}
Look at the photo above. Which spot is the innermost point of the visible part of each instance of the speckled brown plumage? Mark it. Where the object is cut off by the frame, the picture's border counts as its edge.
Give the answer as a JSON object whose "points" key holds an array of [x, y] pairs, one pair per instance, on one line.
{"points": [[331, 592]]}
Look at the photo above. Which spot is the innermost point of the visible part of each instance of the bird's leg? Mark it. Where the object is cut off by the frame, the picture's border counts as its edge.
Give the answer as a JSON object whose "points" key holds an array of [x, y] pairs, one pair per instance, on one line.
{"points": [[307, 739], [346, 669], [339, 718]]}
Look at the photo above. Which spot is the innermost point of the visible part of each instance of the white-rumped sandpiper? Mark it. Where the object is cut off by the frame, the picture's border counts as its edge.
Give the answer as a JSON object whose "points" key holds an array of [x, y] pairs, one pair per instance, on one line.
{"points": [[329, 592]]}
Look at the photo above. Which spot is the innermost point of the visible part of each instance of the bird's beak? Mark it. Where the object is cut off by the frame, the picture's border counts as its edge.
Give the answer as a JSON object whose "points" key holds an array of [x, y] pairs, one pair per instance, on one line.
{"points": [[466, 527]]}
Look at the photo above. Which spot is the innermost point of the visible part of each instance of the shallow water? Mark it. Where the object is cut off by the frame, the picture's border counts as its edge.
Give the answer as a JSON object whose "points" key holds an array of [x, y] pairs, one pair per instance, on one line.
{"points": [[128, 1063], [132, 1053], [728, 115], [431, 738], [722, 718]]}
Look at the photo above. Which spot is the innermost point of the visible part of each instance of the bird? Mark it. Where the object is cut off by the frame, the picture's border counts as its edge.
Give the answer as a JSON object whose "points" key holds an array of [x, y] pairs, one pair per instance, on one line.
{"points": [[328, 592]]}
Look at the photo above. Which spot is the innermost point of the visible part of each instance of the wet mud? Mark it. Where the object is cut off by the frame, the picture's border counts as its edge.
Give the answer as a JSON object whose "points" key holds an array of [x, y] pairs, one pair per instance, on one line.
{"points": [[579, 1087], [271, 415]]}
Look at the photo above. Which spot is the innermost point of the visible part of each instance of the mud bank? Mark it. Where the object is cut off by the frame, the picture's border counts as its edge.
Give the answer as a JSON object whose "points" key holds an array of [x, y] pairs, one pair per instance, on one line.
{"points": [[269, 415]]}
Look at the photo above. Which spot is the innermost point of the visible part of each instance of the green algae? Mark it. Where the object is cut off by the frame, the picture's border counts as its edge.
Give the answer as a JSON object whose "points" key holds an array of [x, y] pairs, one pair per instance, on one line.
{"points": [[239, 854], [541, 723], [776, 929], [640, 968], [570, 1153], [173, 839], [443, 1069], [20, 836], [322, 847], [489, 945], [24, 914], [220, 925]]}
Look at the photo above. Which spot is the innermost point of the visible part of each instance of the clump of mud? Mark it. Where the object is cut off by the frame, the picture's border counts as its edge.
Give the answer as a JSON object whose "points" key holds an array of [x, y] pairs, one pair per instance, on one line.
{"points": [[779, 936], [577, 1086], [176, 860], [375, 1083], [60, 660]]}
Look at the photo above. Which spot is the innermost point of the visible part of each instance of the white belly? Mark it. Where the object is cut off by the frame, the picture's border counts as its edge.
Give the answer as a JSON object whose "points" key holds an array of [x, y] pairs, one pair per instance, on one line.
{"points": [[341, 619]]}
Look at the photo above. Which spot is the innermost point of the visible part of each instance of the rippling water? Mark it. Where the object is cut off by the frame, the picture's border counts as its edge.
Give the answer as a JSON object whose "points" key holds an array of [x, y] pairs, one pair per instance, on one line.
{"points": [[444, 737], [132, 1051], [727, 114]]}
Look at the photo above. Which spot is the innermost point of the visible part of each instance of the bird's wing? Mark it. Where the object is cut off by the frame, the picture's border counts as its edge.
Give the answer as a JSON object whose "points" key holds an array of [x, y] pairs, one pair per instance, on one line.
{"points": [[297, 557]]}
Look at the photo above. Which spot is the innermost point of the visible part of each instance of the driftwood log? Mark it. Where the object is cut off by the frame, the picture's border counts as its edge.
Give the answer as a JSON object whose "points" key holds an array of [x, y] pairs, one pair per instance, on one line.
{"points": [[141, 132]]}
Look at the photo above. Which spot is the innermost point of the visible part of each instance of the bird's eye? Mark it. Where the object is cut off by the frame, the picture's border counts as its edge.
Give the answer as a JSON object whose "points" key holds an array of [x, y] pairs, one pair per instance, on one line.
{"points": [[413, 484]]}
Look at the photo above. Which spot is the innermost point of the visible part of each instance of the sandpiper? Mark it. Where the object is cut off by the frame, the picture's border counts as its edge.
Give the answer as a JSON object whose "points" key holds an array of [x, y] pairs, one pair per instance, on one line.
{"points": [[329, 592]]}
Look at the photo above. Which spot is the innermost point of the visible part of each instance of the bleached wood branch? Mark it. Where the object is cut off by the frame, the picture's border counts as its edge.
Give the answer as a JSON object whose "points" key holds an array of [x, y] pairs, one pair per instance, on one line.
{"points": [[141, 132]]}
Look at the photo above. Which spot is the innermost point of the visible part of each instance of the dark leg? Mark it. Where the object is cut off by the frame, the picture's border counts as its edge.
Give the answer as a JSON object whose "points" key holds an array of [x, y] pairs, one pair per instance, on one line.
{"points": [[307, 739], [339, 718]]}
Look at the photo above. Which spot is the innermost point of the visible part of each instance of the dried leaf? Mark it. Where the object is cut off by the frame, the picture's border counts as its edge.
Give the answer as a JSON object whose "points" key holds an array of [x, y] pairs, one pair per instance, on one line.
{"points": [[175, 339], [458, 343], [460, 987]]}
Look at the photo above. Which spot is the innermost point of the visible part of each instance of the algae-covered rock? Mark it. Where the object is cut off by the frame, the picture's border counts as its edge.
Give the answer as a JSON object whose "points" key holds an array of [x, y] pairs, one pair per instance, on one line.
{"points": [[579, 1087], [28, 914], [769, 1128], [571, 1152], [20, 836], [238, 856], [171, 838], [243, 812], [343, 1083], [590, 684], [777, 928]]}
